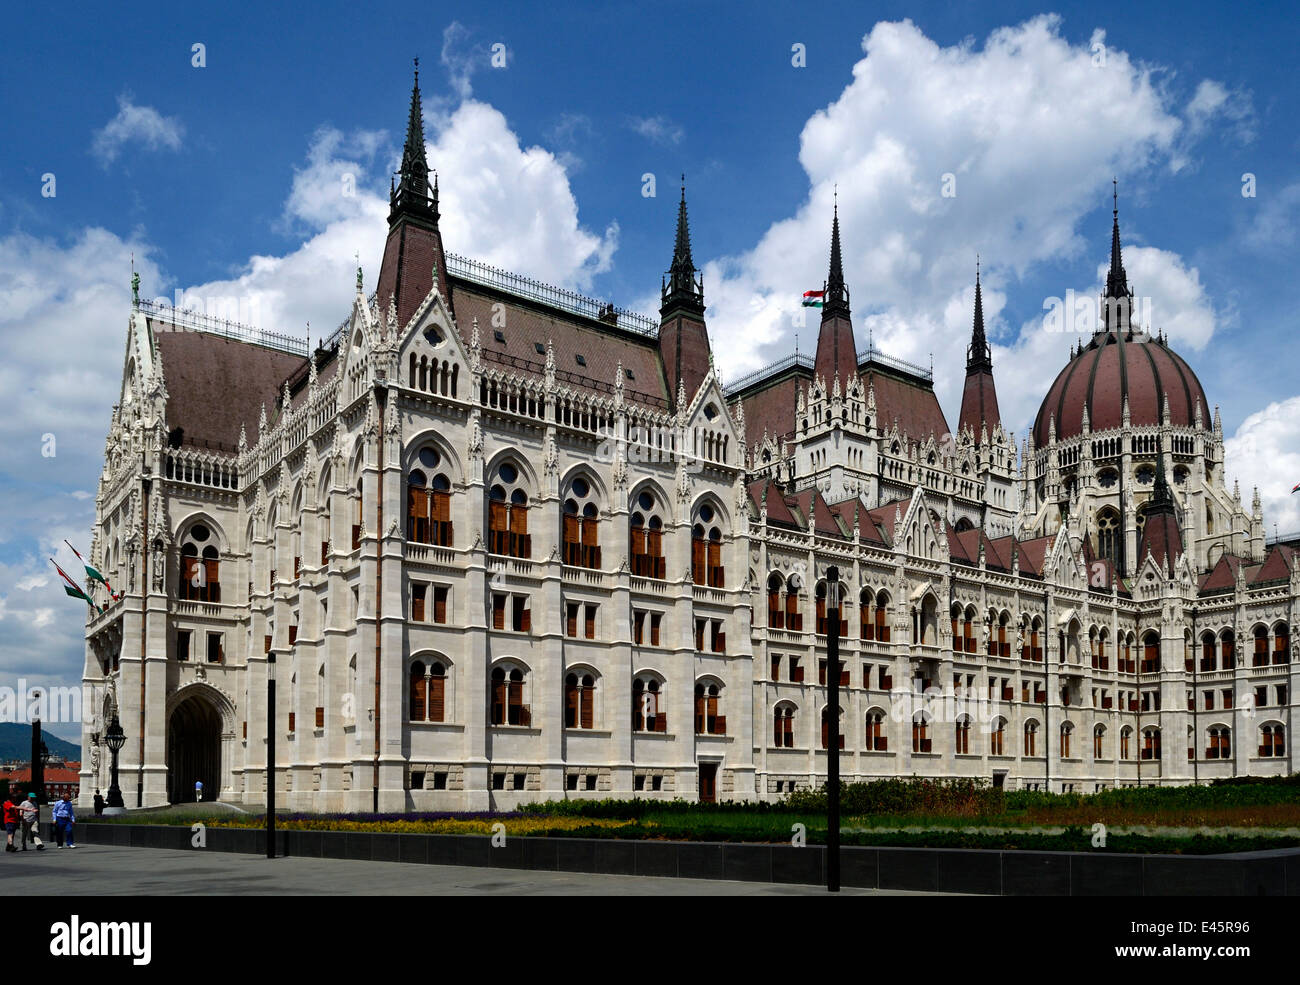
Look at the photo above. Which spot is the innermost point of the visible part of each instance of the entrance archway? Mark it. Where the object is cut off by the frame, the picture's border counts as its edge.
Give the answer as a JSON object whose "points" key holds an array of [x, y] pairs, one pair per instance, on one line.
{"points": [[193, 750]]}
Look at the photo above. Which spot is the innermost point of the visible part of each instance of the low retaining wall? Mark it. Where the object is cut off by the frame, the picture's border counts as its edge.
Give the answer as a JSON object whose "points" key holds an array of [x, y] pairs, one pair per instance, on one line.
{"points": [[942, 870]]}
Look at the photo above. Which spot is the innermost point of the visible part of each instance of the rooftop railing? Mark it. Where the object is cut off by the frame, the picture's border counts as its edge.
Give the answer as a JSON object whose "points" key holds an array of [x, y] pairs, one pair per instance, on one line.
{"points": [[557, 297], [189, 319]]}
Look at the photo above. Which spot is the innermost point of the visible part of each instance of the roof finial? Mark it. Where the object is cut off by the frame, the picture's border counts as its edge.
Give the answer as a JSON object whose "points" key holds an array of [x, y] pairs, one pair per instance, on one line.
{"points": [[1114, 193]]}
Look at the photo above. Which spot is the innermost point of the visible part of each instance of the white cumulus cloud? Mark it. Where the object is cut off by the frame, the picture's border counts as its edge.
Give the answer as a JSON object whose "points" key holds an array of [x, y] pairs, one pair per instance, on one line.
{"points": [[134, 124]]}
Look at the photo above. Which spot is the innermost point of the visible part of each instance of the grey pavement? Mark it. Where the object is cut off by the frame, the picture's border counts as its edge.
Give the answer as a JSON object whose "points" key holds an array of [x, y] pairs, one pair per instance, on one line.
{"points": [[99, 870]]}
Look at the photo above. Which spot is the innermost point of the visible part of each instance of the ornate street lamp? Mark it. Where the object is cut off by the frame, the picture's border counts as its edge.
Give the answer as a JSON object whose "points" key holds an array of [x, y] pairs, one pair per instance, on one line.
{"points": [[115, 738]]}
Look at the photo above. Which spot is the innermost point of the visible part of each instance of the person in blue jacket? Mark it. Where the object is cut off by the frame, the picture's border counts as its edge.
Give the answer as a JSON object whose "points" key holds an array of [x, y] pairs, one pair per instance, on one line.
{"points": [[63, 821]]}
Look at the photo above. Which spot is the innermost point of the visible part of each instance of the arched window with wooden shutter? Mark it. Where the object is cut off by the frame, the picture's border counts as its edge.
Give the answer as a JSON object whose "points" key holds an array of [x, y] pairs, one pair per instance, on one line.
{"points": [[418, 693], [437, 693]]}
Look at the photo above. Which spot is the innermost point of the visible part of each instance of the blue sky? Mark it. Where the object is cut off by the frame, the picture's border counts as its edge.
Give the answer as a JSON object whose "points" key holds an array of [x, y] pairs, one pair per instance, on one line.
{"points": [[225, 180]]}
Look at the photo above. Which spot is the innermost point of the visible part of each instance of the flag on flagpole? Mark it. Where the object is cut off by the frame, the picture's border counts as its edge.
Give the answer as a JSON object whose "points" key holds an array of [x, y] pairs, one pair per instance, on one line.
{"points": [[813, 299], [71, 589], [1297, 487], [92, 572]]}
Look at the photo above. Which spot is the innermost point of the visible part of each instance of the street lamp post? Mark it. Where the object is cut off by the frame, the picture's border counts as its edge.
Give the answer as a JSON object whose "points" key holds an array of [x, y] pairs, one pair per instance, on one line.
{"points": [[833, 729], [38, 762], [115, 738], [270, 756]]}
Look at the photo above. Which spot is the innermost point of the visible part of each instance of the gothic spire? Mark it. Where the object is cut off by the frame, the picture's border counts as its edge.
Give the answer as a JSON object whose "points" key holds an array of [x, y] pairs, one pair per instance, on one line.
{"points": [[681, 286], [836, 298], [979, 356], [1116, 278], [412, 192]]}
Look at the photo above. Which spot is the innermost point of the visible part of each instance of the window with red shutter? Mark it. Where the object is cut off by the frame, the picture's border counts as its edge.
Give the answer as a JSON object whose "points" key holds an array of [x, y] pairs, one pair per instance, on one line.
{"points": [[418, 593], [440, 604], [655, 619]]}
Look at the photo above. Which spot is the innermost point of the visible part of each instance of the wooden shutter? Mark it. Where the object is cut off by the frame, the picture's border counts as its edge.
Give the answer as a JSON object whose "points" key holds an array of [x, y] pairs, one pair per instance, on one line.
{"points": [[589, 625], [571, 620], [440, 513], [266, 644], [437, 698], [497, 528], [571, 703], [639, 566], [320, 717], [655, 618], [521, 545], [418, 593], [638, 626], [587, 697], [498, 612], [590, 544], [655, 547], [698, 550], [526, 616], [572, 540], [419, 692], [440, 605], [715, 564]]}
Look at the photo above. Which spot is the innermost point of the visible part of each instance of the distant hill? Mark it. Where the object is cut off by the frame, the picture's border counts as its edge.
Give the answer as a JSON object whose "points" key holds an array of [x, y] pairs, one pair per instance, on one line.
{"points": [[16, 743]]}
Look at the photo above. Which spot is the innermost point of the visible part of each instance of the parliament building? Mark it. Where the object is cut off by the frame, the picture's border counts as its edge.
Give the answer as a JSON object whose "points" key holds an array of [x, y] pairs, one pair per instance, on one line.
{"points": [[499, 542]]}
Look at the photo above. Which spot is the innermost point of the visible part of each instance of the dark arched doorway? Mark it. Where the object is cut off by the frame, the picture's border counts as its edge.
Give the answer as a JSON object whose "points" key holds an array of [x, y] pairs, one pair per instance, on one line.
{"points": [[193, 750]]}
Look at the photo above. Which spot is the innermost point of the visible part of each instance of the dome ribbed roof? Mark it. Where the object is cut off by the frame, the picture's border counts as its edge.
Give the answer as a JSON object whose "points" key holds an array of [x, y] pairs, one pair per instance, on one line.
{"points": [[1109, 368]]}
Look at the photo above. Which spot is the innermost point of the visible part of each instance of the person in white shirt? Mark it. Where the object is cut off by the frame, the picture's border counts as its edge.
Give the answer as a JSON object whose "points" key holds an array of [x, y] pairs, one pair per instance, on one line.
{"points": [[29, 815]]}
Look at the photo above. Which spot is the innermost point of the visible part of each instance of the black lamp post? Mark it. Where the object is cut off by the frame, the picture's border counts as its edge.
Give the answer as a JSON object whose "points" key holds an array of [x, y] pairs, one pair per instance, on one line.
{"points": [[270, 756], [833, 729], [115, 738], [39, 758]]}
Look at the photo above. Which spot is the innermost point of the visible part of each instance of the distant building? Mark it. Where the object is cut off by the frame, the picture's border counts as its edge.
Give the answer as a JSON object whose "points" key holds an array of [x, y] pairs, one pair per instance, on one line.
{"points": [[58, 780]]}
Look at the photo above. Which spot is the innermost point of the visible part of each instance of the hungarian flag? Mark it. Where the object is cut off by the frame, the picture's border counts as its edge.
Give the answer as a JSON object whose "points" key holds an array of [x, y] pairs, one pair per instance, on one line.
{"points": [[71, 589], [1297, 487], [813, 299], [92, 572]]}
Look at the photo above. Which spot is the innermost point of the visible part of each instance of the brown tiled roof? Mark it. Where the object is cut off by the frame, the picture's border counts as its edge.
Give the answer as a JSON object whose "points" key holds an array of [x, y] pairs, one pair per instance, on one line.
{"points": [[1162, 538], [215, 384], [1222, 575], [1107, 369], [529, 324], [1032, 553], [913, 406], [777, 510], [811, 504], [883, 516], [1277, 566], [868, 531], [771, 409]]}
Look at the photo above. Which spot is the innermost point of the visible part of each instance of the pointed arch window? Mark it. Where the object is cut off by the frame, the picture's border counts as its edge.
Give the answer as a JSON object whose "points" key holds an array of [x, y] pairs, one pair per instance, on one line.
{"points": [[428, 502], [579, 701], [508, 706], [646, 704], [581, 526], [706, 549], [200, 574], [508, 514], [648, 537]]}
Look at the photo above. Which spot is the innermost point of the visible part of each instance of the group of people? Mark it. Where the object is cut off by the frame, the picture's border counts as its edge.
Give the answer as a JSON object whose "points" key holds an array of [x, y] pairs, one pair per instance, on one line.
{"points": [[25, 816]]}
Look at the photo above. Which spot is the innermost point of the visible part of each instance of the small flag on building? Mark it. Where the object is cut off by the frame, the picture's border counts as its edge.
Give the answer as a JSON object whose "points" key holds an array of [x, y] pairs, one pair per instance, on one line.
{"points": [[92, 572], [1296, 487], [813, 299], [71, 589]]}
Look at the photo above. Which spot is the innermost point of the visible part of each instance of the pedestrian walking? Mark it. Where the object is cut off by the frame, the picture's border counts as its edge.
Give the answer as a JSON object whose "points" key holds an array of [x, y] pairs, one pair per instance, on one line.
{"points": [[99, 804], [29, 815], [11, 824], [198, 790], [64, 818]]}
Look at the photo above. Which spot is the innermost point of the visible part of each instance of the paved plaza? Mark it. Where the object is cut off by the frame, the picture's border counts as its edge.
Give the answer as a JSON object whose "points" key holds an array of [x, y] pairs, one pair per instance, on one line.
{"points": [[96, 870]]}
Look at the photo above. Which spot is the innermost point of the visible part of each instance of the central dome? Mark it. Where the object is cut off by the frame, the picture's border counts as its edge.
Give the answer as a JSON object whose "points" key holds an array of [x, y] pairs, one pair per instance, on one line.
{"points": [[1111, 367]]}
